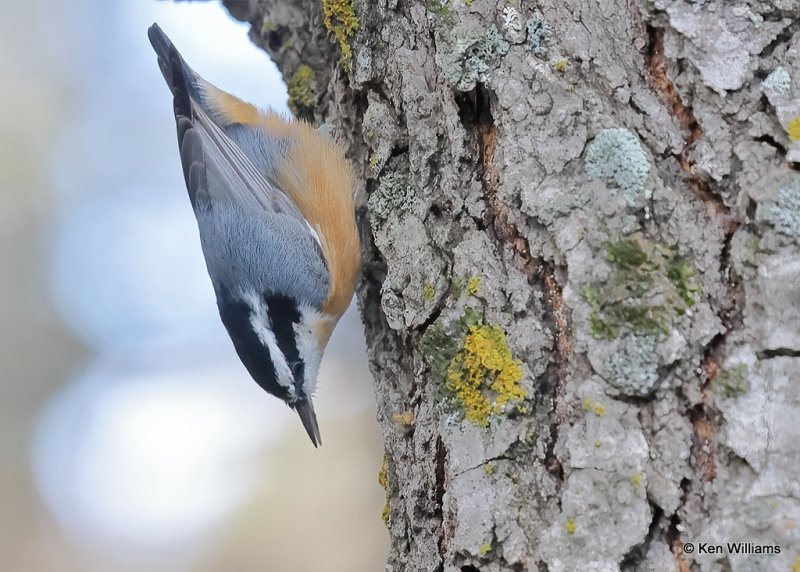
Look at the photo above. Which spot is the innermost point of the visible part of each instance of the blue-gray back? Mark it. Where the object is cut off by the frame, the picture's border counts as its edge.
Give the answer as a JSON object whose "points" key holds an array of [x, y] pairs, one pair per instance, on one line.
{"points": [[263, 149], [263, 251]]}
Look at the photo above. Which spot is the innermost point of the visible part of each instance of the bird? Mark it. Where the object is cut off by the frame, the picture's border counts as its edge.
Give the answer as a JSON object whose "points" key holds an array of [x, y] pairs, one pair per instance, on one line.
{"points": [[275, 206]]}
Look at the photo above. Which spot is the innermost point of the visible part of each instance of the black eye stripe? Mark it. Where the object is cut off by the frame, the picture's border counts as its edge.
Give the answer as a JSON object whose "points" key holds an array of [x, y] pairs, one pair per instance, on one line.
{"points": [[283, 315]]}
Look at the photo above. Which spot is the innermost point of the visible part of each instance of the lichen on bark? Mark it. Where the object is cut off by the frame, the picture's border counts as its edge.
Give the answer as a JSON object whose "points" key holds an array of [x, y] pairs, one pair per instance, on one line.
{"points": [[523, 145]]}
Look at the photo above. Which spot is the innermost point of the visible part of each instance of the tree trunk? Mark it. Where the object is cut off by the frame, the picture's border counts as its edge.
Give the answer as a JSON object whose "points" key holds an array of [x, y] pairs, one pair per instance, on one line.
{"points": [[581, 272]]}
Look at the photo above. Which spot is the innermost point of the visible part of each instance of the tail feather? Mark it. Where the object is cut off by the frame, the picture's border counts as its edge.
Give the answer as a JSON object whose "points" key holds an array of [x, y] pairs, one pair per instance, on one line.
{"points": [[180, 78]]}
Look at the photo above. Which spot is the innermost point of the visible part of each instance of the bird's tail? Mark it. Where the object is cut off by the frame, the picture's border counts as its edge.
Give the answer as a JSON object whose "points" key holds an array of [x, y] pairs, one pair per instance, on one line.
{"points": [[183, 82]]}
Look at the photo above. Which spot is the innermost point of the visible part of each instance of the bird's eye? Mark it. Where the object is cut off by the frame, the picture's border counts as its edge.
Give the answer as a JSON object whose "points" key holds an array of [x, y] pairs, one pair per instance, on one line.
{"points": [[297, 368]]}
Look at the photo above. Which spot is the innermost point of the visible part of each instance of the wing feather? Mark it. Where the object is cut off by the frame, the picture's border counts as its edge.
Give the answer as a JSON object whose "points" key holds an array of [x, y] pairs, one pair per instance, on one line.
{"points": [[214, 166]]}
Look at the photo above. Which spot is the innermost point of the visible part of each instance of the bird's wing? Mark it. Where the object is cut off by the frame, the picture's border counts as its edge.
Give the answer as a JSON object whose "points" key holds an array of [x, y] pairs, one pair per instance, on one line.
{"points": [[240, 120], [214, 166]]}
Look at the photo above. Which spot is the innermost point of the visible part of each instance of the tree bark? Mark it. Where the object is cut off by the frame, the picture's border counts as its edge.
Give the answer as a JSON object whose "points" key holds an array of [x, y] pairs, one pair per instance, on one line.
{"points": [[581, 272]]}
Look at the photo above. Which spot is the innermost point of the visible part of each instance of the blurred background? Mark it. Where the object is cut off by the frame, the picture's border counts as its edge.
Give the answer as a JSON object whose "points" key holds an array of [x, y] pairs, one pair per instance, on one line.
{"points": [[131, 437]]}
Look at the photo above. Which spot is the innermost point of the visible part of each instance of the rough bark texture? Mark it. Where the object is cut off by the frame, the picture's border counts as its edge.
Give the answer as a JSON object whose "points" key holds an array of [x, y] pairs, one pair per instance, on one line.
{"points": [[608, 190]]}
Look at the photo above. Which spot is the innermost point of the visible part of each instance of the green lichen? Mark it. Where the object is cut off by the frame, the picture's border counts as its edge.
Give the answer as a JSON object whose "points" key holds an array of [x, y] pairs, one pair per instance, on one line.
{"points": [[302, 95], [616, 157], [440, 8], [681, 275], [732, 382], [650, 288], [439, 348], [267, 26], [471, 57], [784, 213], [342, 22], [538, 29], [751, 246], [457, 289], [393, 197], [429, 292]]}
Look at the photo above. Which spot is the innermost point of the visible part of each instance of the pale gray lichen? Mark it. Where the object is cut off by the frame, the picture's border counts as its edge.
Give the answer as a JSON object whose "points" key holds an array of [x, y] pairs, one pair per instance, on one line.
{"points": [[633, 368], [616, 157], [538, 30], [778, 81], [393, 195], [784, 213], [472, 56], [511, 20]]}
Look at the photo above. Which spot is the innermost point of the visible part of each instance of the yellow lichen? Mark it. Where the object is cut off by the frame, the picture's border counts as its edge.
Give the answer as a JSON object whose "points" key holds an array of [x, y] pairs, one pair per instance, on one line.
{"points": [[591, 405], [267, 26], [636, 480], [373, 162], [342, 22], [488, 469], [598, 443], [793, 128], [571, 525], [383, 481], [473, 285], [406, 418], [302, 98], [561, 66], [484, 376], [429, 292], [796, 565], [484, 549]]}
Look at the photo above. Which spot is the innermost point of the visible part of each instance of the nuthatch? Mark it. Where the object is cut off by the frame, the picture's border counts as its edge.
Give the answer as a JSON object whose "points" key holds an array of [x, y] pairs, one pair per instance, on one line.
{"points": [[274, 202]]}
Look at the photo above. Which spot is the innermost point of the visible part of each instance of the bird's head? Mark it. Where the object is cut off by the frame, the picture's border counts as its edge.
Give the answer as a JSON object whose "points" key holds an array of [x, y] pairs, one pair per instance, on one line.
{"points": [[280, 341]]}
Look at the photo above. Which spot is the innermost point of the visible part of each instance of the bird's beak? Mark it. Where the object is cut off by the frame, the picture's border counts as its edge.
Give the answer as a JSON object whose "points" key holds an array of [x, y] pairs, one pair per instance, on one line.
{"points": [[305, 409]]}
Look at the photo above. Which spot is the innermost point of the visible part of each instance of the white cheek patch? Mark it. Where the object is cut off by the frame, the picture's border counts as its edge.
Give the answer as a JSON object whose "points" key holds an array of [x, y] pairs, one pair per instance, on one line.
{"points": [[259, 321], [308, 346]]}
